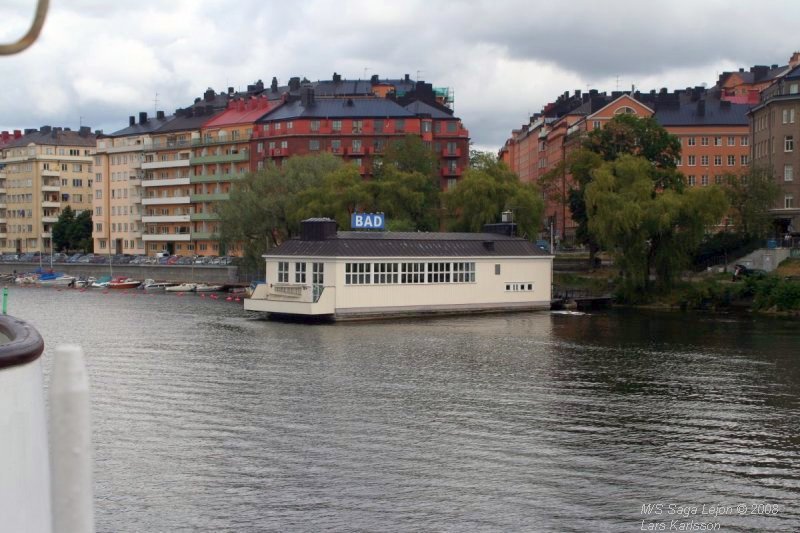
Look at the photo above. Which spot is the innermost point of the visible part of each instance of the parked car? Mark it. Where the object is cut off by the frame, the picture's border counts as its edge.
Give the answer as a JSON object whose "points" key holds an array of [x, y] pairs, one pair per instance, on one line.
{"points": [[74, 258], [173, 260], [741, 271]]}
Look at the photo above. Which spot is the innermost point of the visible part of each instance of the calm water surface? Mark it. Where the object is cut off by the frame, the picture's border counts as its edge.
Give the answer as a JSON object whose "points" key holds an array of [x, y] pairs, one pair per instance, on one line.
{"points": [[206, 419]]}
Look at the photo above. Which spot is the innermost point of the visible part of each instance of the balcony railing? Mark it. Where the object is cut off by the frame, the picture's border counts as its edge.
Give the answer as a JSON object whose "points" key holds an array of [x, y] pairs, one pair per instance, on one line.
{"points": [[221, 158], [225, 140]]}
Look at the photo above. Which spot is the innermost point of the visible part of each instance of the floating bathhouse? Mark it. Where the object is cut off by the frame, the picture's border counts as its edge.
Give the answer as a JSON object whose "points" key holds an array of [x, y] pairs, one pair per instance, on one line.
{"points": [[367, 274]]}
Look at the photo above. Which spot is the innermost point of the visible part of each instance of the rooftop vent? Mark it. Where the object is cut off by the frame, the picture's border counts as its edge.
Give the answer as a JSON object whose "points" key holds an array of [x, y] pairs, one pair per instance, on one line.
{"points": [[317, 229], [131, 120], [160, 115]]}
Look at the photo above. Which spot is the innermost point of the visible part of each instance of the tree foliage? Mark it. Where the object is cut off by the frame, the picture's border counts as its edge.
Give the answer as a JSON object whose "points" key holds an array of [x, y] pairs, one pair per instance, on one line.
{"points": [[73, 231], [646, 227], [751, 196], [488, 189]]}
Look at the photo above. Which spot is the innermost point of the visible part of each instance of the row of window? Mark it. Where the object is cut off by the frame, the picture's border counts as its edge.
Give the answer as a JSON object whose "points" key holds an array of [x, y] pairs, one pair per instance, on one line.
{"points": [[358, 126], [704, 141], [691, 160], [409, 273]]}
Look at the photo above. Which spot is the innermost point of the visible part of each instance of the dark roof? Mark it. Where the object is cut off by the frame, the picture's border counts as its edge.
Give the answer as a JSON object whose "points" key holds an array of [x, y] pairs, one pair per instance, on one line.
{"points": [[55, 137], [757, 74], [421, 108], [181, 122], [793, 74], [712, 111], [150, 125], [408, 244], [340, 107]]}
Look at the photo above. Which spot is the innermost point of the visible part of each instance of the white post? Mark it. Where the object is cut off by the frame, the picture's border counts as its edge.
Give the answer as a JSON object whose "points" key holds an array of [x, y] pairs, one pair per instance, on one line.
{"points": [[70, 443]]}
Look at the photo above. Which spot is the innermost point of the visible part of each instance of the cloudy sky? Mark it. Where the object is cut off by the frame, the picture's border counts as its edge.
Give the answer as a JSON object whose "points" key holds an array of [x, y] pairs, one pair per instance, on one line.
{"points": [[99, 61]]}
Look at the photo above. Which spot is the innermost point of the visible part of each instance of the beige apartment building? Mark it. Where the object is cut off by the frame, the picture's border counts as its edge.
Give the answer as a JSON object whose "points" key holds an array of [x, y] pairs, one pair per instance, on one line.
{"points": [[41, 173], [118, 191]]}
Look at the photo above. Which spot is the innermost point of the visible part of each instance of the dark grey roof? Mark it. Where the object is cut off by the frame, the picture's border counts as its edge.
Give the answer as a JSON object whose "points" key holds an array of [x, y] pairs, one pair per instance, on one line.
{"points": [[54, 137], [340, 107], [716, 112], [408, 244], [151, 125], [421, 108], [181, 122], [793, 74]]}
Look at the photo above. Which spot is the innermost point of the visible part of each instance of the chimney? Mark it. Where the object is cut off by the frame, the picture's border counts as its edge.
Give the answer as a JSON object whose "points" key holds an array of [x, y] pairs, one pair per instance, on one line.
{"points": [[741, 70], [337, 77], [28, 131], [701, 108], [230, 91], [407, 77], [294, 84], [374, 79], [44, 130], [794, 60], [142, 117], [84, 131], [274, 85], [759, 72], [208, 96], [259, 85], [307, 96], [774, 66], [131, 120], [160, 115]]}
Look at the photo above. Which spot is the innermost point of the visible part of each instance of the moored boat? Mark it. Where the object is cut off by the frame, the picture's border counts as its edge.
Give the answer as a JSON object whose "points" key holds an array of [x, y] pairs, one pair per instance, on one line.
{"points": [[183, 287], [55, 280], [204, 287], [124, 283], [102, 282], [151, 285]]}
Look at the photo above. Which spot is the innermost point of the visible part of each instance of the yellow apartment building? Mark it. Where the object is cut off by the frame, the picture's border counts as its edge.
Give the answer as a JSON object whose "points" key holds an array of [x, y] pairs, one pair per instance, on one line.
{"points": [[42, 172]]}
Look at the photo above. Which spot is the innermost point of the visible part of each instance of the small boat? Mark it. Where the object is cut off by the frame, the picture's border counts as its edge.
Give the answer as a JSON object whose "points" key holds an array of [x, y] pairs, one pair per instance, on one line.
{"points": [[82, 283], [54, 279], [204, 287], [150, 285], [124, 283], [102, 282], [183, 287]]}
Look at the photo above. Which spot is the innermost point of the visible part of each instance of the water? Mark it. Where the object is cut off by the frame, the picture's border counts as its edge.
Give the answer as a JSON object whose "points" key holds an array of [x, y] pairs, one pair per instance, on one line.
{"points": [[208, 420]]}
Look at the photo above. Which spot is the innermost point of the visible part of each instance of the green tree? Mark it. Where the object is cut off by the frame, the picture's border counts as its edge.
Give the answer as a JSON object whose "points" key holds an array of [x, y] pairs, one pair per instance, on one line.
{"points": [[410, 154], [266, 208], [489, 189], [339, 194], [646, 227], [81, 233], [410, 200], [751, 196], [62, 230]]}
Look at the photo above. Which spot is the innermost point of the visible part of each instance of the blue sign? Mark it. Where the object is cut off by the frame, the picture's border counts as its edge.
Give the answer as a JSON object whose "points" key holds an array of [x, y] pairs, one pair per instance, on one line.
{"points": [[367, 221]]}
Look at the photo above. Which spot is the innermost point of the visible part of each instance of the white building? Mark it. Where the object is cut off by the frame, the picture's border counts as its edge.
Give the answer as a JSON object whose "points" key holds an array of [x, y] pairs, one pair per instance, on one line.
{"points": [[352, 275]]}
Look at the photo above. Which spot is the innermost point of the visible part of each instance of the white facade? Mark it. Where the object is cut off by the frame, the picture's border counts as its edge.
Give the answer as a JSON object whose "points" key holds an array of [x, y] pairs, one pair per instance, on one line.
{"points": [[360, 287]]}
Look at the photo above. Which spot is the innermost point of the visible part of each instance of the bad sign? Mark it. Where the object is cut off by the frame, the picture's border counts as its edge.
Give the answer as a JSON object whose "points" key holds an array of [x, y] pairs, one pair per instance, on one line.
{"points": [[367, 221]]}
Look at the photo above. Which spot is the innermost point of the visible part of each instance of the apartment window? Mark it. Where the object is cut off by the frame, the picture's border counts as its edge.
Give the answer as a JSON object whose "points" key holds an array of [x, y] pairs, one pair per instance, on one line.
{"points": [[438, 272], [690, 141], [745, 140], [426, 126], [411, 273], [318, 273], [313, 145], [731, 160], [377, 126], [785, 116], [299, 272], [260, 147], [744, 160], [793, 88], [277, 126], [692, 160], [703, 141], [336, 125], [358, 125], [356, 145], [596, 124], [692, 181], [400, 125], [717, 160], [315, 125], [357, 274], [64, 167], [788, 173], [718, 179], [788, 143], [284, 145], [283, 271], [704, 180], [704, 160], [788, 201], [731, 140], [289, 125], [717, 141], [98, 227], [678, 161], [464, 272]]}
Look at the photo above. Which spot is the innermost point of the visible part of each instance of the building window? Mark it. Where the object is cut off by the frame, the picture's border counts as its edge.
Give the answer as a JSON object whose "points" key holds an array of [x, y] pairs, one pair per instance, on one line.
{"points": [[313, 145], [283, 271], [463, 272], [731, 160], [793, 88], [336, 125], [497, 270], [318, 273], [788, 201], [703, 141], [412, 273], [524, 286], [703, 160], [692, 160], [704, 180], [717, 160], [400, 125], [299, 272], [377, 126], [336, 145], [438, 272], [691, 181], [596, 124], [788, 173], [690, 141], [745, 140], [718, 179], [744, 160], [358, 126], [731, 140], [426, 126], [385, 273], [717, 141], [788, 143], [357, 273], [315, 125]]}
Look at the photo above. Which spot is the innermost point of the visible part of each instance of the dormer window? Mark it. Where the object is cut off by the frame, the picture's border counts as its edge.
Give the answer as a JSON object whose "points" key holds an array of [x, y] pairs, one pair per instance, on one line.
{"points": [[625, 110]]}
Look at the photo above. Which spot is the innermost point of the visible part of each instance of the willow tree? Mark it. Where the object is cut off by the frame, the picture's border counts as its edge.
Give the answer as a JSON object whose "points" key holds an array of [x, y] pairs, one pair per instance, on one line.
{"points": [[649, 229], [487, 190]]}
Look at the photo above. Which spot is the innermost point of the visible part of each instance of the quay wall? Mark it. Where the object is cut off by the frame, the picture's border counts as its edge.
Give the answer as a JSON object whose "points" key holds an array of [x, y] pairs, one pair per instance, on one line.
{"points": [[178, 273]]}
